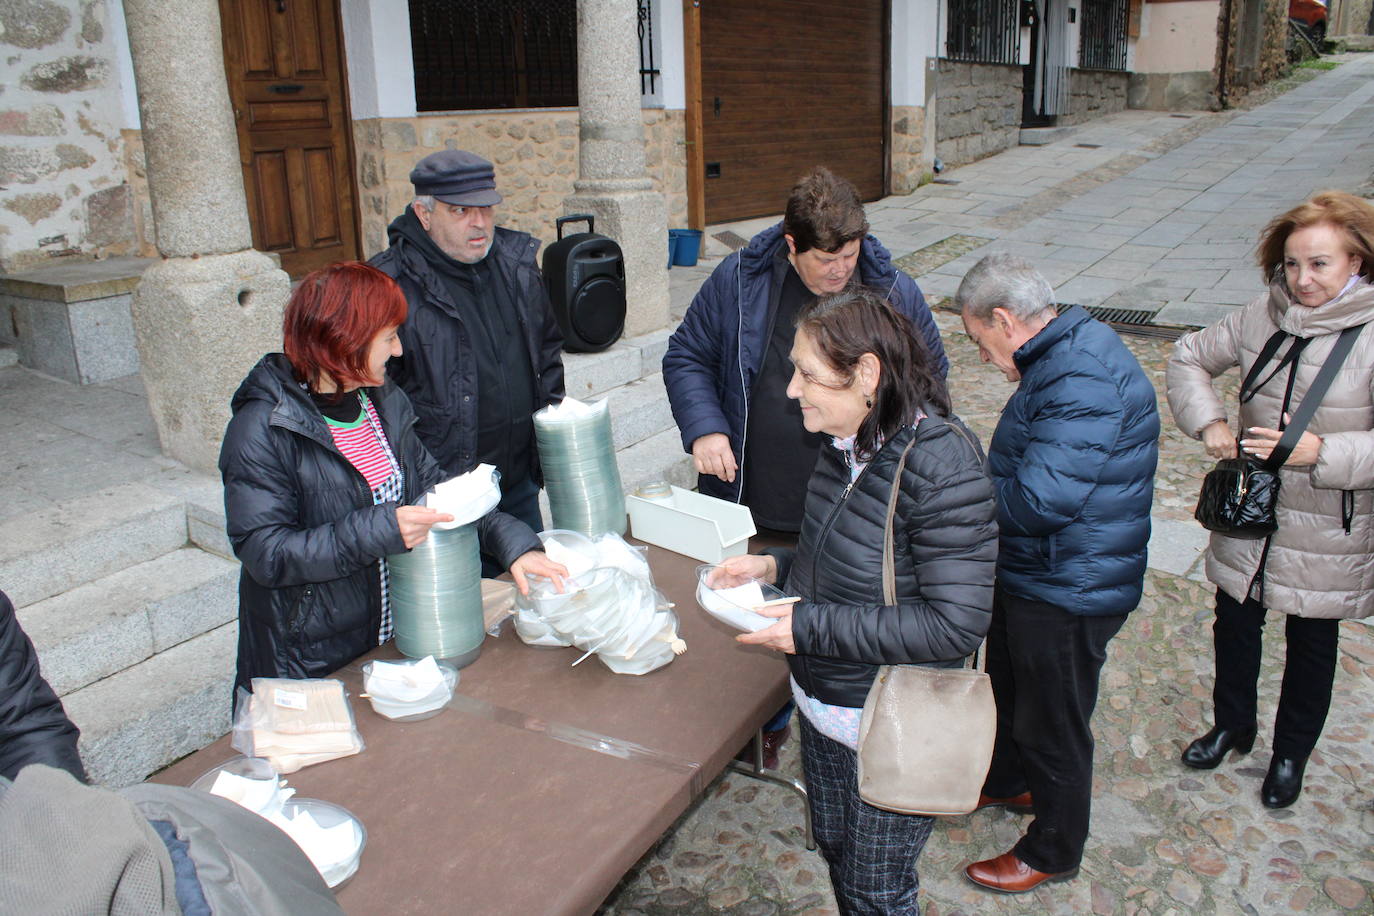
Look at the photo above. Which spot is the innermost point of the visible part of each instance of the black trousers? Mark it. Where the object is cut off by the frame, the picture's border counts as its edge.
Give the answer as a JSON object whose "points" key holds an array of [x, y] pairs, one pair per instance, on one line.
{"points": [[1308, 672], [1044, 663]]}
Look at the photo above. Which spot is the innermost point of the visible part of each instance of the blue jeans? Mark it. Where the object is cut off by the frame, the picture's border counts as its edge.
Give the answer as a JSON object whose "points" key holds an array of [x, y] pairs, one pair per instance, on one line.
{"points": [[871, 853]]}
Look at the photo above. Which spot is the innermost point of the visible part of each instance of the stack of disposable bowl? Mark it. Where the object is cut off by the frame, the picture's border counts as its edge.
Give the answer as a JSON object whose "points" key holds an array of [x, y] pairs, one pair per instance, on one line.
{"points": [[603, 609]]}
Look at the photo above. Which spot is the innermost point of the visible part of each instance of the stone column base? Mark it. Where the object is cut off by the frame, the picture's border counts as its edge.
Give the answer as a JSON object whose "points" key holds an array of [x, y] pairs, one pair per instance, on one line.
{"points": [[201, 324], [638, 220]]}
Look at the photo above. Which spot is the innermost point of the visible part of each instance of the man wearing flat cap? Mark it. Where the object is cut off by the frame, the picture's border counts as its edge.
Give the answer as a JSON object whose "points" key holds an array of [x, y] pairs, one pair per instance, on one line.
{"points": [[481, 346]]}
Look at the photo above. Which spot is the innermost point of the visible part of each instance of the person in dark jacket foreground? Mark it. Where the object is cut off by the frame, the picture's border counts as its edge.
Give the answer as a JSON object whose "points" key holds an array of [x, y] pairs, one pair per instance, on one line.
{"points": [[863, 379], [34, 727], [321, 471], [1073, 460], [146, 850], [482, 351]]}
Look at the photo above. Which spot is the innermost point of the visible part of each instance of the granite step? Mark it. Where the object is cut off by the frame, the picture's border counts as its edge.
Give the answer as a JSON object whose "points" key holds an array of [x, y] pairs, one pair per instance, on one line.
{"points": [[639, 410], [587, 375], [659, 457], [137, 721], [80, 539], [117, 621]]}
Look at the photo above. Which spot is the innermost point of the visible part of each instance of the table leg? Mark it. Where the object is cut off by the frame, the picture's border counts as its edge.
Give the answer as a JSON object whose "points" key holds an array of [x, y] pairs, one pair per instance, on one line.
{"points": [[756, 769]]}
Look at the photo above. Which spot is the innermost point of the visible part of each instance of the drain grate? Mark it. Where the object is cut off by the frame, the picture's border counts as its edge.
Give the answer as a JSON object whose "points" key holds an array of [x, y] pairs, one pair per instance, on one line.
{"points": [[733, 239], [1088, 145], [1121, 316], [1136, 322]]}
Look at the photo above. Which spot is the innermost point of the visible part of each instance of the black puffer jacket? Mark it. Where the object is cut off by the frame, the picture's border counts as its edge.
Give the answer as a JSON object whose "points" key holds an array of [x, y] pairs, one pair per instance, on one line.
{"points": [[944, 558], [301, 520], [34, 727], [438, 370]]}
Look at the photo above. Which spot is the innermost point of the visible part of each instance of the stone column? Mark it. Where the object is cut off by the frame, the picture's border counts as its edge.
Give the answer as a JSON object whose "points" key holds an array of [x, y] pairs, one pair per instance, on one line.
{"points": [[613, 184], [212, 307]]}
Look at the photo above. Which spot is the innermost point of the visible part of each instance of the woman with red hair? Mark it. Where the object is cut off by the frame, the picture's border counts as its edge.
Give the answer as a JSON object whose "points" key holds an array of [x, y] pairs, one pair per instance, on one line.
{"points": [[321, 471]]}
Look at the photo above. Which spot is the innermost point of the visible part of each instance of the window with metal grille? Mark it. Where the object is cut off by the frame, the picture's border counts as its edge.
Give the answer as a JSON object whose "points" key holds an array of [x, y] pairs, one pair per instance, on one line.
{"points": [[494, 53], [1102, 37], [985, 31]]}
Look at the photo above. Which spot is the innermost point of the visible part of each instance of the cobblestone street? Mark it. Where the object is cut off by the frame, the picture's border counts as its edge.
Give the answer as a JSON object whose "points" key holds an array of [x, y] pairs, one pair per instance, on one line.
{"points": [[1165, 839]]}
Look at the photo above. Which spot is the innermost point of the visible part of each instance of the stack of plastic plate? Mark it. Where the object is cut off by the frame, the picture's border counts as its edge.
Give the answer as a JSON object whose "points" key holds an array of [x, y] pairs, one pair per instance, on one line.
{"points": [[436, 597], [580, 474]]}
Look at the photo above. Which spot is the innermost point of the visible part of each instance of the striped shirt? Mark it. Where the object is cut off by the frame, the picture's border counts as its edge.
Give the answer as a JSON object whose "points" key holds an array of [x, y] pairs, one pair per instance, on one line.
{"points": [[363, 443], [362, 446]]}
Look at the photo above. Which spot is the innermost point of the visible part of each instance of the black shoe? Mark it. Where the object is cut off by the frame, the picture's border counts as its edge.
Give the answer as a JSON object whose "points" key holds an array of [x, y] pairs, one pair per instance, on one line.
{"points": [[1206, 752], [1283, 782]]}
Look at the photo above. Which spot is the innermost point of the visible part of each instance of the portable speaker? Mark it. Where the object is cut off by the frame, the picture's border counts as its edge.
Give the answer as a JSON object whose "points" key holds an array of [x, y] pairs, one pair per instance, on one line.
{"points": [[585, 277]]}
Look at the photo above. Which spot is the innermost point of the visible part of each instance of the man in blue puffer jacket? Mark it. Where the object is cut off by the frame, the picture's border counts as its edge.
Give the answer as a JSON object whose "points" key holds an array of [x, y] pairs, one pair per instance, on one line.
{"points": [[727, 365], [1073, 464]]}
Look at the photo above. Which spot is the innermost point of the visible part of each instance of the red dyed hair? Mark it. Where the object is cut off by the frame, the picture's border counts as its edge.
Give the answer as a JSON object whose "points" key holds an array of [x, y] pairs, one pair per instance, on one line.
{"points": [[332, 318]]}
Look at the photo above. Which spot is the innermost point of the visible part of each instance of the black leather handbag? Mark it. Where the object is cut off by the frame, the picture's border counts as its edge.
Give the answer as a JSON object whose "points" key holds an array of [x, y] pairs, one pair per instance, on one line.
{"points": [[1240, 499], [1240, 496]]}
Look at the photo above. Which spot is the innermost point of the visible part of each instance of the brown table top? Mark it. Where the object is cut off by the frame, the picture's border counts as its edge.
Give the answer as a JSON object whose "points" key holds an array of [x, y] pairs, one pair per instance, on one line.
{"points": [[505, 802]]}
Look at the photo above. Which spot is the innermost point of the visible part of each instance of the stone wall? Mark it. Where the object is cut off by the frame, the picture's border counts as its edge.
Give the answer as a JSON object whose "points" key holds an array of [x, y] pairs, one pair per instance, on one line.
{"points": [[1255, 45], [535, 154], [977, 110], [1094, 93], [908, 143], [61, 152]]}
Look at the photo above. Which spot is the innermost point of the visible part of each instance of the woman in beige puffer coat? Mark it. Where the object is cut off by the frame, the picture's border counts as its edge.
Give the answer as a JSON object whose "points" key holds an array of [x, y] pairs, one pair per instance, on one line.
{"points": [[1320, 563]]}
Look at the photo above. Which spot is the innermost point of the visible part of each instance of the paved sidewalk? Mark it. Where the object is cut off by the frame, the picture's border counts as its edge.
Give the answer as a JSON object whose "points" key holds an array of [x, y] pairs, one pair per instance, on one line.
{"points": [[1162, 213]]}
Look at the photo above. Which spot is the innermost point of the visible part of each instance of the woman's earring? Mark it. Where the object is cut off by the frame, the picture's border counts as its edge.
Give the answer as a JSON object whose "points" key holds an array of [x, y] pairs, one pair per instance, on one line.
{"points": [[868, 400]]}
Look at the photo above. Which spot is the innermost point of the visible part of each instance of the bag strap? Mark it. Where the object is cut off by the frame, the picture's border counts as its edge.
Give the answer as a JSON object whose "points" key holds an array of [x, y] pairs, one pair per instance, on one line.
{"points": [[1249, 388], [1312, 400], [889, 574]]}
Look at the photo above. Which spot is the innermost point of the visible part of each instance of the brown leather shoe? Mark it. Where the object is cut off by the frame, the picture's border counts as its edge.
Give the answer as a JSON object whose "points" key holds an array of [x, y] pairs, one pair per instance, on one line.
{"points": [[1021, 804], [772, 743], [1007, 874]]}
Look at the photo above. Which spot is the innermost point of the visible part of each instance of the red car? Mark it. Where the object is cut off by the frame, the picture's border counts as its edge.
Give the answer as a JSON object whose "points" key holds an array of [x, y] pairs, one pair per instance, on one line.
{"points": [[1311, 14]]}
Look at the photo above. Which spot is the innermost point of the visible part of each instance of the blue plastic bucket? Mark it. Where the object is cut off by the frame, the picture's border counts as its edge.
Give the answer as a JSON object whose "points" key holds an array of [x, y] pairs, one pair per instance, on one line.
{"points": [[673, 236], [687, 246]]}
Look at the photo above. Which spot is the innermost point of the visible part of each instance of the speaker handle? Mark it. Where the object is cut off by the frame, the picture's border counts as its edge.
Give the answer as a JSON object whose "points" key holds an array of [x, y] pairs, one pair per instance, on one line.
{"points": [[574, 218]]}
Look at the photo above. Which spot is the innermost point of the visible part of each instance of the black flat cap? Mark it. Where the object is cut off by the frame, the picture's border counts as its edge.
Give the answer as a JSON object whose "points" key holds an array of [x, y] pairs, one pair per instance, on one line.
{"points": [[456, 177]]}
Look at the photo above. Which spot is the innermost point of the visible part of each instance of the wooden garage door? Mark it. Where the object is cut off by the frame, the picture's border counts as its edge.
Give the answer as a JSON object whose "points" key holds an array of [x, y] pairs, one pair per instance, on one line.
{"points": [[787, 85]]}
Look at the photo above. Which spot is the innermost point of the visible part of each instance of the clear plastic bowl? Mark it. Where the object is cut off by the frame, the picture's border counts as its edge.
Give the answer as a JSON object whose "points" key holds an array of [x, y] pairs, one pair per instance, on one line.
{"points": [[721, 607], [401, 711], [327, 815], [264, 777]]}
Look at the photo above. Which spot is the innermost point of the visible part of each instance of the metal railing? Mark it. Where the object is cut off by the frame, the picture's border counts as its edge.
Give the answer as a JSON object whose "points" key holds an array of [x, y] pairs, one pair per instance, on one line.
{"points": [[471, 54], [1102, 37], [648, 70], [984, 31]]}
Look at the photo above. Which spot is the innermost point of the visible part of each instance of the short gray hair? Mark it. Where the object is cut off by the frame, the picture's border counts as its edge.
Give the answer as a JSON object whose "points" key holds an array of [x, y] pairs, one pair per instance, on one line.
{"points": [[1003, 280], [425, 200]]}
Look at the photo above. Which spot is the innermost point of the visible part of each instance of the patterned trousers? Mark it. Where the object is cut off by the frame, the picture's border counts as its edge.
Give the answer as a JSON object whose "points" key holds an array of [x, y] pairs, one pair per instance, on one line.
{"points": [[871, 853]]}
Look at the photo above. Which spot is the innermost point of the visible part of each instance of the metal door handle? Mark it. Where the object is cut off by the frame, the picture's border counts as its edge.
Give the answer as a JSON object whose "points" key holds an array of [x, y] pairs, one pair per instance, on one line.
{"points": [[716, 106]]}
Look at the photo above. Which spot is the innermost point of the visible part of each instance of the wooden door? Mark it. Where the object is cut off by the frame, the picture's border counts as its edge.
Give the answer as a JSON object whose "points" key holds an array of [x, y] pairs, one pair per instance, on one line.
{"points": [[787, 85], [284, 63]]}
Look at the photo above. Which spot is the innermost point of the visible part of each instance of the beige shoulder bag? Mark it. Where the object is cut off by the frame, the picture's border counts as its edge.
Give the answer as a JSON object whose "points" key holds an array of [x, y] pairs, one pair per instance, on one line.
{"points": [[925, 739]]}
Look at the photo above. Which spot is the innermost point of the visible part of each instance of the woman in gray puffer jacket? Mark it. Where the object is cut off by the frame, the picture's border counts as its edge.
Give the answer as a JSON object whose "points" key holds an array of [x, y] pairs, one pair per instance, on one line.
{"points": [[1319, 566], [861, 376]]}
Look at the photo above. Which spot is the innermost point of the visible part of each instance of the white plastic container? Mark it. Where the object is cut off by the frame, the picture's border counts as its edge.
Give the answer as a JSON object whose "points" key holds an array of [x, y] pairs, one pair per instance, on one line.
{"points": [[698, 526]]}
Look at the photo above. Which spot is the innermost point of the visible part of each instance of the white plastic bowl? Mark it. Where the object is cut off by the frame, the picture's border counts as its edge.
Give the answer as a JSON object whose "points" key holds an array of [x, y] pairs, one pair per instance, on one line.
{"points": [[327, 815], [721, 607]]}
